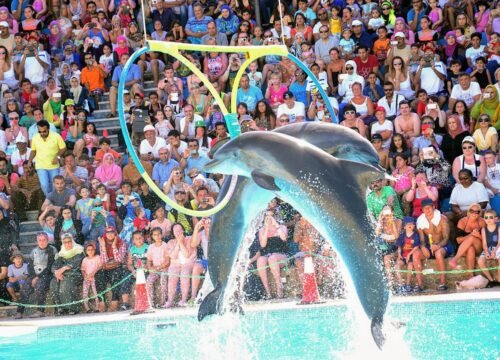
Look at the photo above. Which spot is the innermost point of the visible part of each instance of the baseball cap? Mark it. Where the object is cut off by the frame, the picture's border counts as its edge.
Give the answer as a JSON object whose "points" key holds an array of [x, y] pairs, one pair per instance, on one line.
{"points": [[200, 123], [425, 127], [69, 102], [20, 138], [468, 139], [427, 202], [246, 118], [75, 17], [356, 23], [149, 128], [33, 37], [408, 220], [4, 24], [400, 34], [288, 95], [376, 137], [110, 229], [380, 108], [141, 95]]}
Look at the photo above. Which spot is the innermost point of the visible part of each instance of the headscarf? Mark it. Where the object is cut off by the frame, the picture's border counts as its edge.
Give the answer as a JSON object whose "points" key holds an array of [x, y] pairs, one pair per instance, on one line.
{"points": [[228, 8], [106, 172], [391, 18], [68, 254], [459, 129], [10, 18], [354, 75], [76, 91], [50, 91], [449, 50], [491, 104], [54, 39]]}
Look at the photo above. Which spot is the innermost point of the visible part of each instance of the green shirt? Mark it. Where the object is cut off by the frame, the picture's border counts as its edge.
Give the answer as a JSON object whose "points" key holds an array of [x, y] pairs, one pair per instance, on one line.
{"points": [[376, 203], [26, 121]]}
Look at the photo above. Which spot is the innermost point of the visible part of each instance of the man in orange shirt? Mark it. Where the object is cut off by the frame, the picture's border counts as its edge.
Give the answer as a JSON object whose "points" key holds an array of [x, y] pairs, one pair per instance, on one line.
{"points": [[92, 77]]}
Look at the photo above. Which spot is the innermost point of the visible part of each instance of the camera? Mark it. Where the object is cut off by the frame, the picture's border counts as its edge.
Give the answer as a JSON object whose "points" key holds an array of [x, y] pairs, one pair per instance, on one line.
{"points": [[177, 173], [486, 95], [91, 25], [154, 2], [432, 106], [3, 172], [204, 200]]}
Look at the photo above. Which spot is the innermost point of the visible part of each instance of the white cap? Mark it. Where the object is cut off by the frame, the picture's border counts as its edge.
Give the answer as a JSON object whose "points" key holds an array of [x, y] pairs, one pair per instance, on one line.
{"points": [[356, 23], [56, 95], [149, 128], [4, 23], [400, 34], [468, 139], [75, 17], [200, 177], [20, 138]]}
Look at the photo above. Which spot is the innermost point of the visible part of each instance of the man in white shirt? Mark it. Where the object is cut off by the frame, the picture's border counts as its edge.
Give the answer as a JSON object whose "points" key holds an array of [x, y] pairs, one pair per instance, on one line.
{"points": [[294, 109], [187, 123], [431, 75], [176, 146], [278, 32], [36, 63], [466, 90], [151, 145], [390, 102]]}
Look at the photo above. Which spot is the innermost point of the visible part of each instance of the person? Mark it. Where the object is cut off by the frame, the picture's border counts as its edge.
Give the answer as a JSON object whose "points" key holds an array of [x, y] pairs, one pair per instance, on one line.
{"points": [[109, 173], [469, 239], [491, 247], [403, 183], [272, 238], [40, 264], [133, 82], [67, 223], [113, 252], [17, 273], [408, 245], [151, 145], [380, 196], [466, 193], [486, 136], [182, 256], [469, 160], [428, 138], [390, 102], [383, 154], [192, 158], [345, 83], [434, 231], [383, 127], [419, 191], [294, 109], [308, 240], [92, 77], [466, 90], [158, 261], [66, 270], [199, 241], [408, 123], [488, 104], [46, 148], [74, 175], [91, 264], [387, 232], [492, 179], [61, 196], [452, 140]]}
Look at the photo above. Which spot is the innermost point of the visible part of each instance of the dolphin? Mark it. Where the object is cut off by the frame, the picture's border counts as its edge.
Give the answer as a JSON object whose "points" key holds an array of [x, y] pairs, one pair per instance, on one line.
{"points": [[328, 191], [230, 225]]}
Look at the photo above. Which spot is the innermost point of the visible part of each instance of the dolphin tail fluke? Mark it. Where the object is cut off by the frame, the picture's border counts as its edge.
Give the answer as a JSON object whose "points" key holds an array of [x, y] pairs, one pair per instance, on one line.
{"points": [[377, 332], [210, 305]]}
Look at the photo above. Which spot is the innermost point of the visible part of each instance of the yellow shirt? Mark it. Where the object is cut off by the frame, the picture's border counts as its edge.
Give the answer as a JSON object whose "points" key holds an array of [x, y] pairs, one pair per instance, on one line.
{"points": [[483, 142], [46, 150], [335, 26]]}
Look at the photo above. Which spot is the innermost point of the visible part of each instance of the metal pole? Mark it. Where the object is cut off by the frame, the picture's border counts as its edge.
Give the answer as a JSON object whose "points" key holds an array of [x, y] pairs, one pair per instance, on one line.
{"points": [[258, 18]]}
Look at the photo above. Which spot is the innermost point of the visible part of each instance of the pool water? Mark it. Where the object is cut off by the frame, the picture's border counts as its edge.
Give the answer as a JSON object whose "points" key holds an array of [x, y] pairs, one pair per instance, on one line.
{"points": [[439, 330]]}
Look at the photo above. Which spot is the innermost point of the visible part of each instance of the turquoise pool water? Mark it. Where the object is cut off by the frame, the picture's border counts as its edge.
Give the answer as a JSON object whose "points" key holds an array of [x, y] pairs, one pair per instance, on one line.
{"points": [[441, 330]]}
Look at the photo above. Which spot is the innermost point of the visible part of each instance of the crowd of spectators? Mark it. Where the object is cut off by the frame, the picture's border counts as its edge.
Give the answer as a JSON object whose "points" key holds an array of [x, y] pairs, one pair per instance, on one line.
{"points": [[419, 79]]}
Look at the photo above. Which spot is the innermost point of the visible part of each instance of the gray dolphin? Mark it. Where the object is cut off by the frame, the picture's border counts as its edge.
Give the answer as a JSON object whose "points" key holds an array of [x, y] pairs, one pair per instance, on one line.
{"points": [[230, 225], [328, 191]]}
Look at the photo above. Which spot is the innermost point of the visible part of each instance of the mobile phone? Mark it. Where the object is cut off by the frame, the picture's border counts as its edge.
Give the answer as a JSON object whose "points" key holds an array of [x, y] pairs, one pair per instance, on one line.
{"points": [[394, 42], [432, 106], [428, 153], [342, 76], [486, 96]]}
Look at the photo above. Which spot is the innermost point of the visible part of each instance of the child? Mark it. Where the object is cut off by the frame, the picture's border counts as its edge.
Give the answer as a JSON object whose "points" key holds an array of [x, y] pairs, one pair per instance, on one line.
{"points": [[255, 75], [275, 91], [47, 221], [75, 70], [17, 273], [307, 56], [367, 9], [381, 46], [455, 70], [137, 256], [84, 205], [158, 262], [481, 74], [491, 247], [141, 222], [91, 139], [408, 243], [382, 127], [161, 222], [461, 38], [84, 162], [335, 22], [91, 264], [436, 15], [382, 154], [102, 194], [347, 45], [105, 147], [376, 20]]}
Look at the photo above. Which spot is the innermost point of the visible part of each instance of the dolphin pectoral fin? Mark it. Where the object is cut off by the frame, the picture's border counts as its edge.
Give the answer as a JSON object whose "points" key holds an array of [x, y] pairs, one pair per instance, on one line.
{"points": [[264, 181], [377, 332], [210, 304]]}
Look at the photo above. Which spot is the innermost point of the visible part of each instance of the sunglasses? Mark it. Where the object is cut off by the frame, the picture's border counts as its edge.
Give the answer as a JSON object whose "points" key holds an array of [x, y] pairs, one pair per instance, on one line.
{"points": [[193, 176], [484, 120], [134, 200], [349, 68], [386, 8], [467, 147], [323, 32], [350, 112], [475, 211], [464, 178], [489, 217], [180, 192], [285, 119]]}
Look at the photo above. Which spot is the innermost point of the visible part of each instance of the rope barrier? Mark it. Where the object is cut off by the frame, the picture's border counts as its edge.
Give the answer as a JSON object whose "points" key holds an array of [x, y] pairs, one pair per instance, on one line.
{"points": [[284, 261]]}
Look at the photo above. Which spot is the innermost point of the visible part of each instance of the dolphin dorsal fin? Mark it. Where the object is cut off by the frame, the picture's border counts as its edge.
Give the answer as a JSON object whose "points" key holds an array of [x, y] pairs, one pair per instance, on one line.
{"points": [[264, 181]]}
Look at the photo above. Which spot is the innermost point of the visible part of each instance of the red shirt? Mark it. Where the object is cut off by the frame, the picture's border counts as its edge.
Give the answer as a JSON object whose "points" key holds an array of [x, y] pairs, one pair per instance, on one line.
{"points": [[364, 68]]}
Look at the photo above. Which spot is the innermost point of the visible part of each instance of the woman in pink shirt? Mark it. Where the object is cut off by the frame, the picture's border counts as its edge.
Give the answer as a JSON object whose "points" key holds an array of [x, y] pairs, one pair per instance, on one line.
{"points": [[404, 175], [182, 257], [158, 261], [109, 173]]}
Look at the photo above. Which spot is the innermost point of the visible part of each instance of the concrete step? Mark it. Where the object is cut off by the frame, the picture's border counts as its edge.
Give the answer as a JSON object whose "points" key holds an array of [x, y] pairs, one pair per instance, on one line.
{"points": [[27, 237], [7, 311], [106, 123], [29, 226], [32, 215], [26, 249]]}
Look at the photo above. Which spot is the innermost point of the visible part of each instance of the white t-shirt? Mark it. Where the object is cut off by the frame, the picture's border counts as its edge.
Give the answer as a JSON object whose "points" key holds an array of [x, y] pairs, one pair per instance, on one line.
{"points": [[18, 159], [476, 193], [473, 54], [182, 147], [429, 81], [147, 148], [298, 109], [192, 129], [323, 80], [493, 177], [391, 109], [322, 108], [33, 70], [466, 95], [386, 125]]}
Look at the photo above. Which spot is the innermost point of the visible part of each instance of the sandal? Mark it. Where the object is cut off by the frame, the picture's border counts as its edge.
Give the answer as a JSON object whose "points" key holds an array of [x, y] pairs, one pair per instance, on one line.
{"points": [[442, 287]]}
